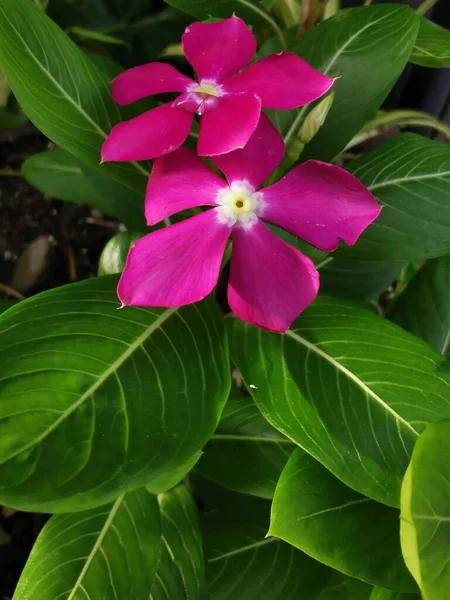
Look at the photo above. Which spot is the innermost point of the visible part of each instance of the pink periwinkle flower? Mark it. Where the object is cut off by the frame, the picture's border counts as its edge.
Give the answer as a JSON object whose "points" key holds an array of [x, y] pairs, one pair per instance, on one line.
{"points": [[228, 103], [271, 282]]}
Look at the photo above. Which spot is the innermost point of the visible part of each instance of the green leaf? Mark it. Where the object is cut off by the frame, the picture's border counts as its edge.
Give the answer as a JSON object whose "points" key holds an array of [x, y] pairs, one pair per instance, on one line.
{"points": [[60, 175], [432, 47], [115, 252], [95, 401], [425, 516], [107, 552], [252, 11], [311, 509], [341, 587], [5, 304], [410, 176], [352, 46], [361, 280], [243, 564], [424, 307], [382, 594], [181, 569], [169, 479], [246, 454], [59, 88], [97, 36], [350, 388]]}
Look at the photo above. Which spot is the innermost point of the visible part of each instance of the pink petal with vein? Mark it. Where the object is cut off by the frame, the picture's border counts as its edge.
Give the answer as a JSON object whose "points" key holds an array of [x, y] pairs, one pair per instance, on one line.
{"points": [[180, 180], [282, 81], [230, 126], [147, 80], [321, 204], [218, 50], [151, 134], [258, 159], [271, 282], [176, 265]]}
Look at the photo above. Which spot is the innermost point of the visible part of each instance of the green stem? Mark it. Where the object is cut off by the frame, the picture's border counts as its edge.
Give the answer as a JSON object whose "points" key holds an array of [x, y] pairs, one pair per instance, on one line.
{"points": [[426, 5], [10, 173], [267, 18]]}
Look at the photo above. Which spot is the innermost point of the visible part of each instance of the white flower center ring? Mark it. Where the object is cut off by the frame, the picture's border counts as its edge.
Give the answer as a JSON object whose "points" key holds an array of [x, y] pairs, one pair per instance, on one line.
{"points": [[239, 204]]}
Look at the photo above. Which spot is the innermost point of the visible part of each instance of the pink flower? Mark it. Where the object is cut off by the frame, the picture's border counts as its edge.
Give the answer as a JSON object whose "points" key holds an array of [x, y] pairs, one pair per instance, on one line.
{"points": [[271, 282], [228, 102]]}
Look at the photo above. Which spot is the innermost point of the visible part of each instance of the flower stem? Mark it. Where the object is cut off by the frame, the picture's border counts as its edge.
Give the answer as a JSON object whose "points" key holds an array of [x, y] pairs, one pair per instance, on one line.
{"points": [[10, 173], [426, 5], [267, 18]]}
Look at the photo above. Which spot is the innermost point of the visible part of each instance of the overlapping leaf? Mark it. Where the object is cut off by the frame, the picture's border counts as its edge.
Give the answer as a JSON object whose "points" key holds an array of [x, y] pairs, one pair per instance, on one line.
{"points": [[410, 176], [349, 387], [425, 516], [246, 454], [180, 572], [243, 564], [106, 552], [352, 46], [432, 47], [361, 280], [94, 400], [60, 175], [318, 514], [59, 88], [424, 307]]}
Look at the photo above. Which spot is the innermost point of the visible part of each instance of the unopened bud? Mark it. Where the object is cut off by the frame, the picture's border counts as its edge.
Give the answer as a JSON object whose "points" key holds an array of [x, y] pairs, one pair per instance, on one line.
{"points": [[315, 119]]}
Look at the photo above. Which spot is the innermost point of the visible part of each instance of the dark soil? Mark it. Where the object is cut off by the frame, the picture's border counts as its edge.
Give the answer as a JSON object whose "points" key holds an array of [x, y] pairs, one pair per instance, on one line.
{"points": [[78, 234]]}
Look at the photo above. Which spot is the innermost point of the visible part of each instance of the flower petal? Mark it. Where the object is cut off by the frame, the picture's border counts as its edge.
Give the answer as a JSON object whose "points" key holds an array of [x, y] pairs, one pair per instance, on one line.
{"points": [[178, 181], [151, 134], [258, 159], [321, 204], [147, 80], [217, 51], [271, 282], [282, 81], [230, 126], [176, 265]]}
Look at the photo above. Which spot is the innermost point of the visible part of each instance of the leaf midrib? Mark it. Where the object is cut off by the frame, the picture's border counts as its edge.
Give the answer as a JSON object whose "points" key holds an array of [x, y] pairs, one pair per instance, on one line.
{"points": [[99, 381], [101, 536], [243, 549], [370, 393], [389, 182]]}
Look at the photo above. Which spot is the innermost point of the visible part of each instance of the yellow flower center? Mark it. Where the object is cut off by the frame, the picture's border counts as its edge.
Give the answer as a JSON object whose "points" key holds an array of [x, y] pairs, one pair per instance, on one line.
{"points": [[207, 89], [239, 204]]}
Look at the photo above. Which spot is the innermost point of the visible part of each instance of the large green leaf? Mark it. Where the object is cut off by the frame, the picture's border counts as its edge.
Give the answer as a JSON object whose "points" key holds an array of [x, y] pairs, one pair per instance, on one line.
{"points": [[312, 509], [94, 400], [181, 570], [342, 587], [410, 176], [243, 564], [246, 454], [383, 594], [60, 175], [424, 307], [349, 387], [425, 517], [361, 280], [59, 88], [432, 47], [352, 46], [106, 552]]}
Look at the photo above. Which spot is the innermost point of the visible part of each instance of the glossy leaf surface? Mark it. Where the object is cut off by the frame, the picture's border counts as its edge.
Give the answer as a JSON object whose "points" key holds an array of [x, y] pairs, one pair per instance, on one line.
{"points": [[410, 176], [432, 47], [59, 88], [349, 387], [425, 516], [318, 514], [94, 400], [107, 552]]}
